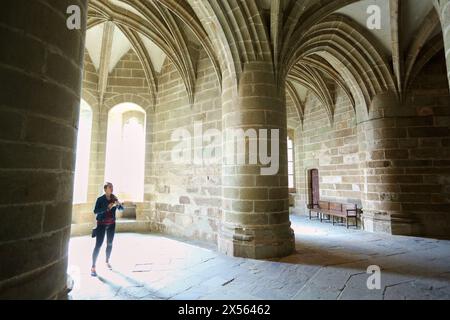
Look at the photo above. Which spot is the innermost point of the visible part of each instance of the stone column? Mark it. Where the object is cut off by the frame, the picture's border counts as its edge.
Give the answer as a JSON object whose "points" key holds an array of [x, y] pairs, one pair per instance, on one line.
{"points": [[444, 13], [391, 173], [255, 221], [40, 76]]}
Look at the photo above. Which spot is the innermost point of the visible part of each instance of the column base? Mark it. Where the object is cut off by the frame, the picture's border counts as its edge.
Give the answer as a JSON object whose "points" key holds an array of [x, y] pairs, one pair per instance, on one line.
{"points": [[64, 294], [395, 224], [257, 242]]}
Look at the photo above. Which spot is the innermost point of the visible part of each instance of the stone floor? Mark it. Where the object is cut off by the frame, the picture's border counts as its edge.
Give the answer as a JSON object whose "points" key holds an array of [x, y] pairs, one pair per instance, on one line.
{"points": [[330, 263]]}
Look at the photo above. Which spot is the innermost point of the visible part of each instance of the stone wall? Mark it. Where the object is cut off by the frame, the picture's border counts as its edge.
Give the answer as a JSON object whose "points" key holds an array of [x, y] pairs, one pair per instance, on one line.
{"points": [[395, 163], [430, 144], [40, 76], [405, 154], [443, 7], [126, 83], [396, 167], [183, 200], [331, 146]]}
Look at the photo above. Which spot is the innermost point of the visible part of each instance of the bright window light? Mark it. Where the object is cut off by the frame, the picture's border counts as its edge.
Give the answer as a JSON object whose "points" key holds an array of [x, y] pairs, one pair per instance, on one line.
{"points": [[125, 151], [291, 170], [83, 154]]}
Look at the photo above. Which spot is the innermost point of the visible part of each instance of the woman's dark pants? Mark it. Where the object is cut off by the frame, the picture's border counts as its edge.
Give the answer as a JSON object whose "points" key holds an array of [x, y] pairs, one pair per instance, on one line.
{"points": [[101, 230]]}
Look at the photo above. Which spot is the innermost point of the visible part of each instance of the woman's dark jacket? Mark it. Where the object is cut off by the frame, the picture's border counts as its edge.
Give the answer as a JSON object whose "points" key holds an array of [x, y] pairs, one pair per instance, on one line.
{"points": [[101, 206]]}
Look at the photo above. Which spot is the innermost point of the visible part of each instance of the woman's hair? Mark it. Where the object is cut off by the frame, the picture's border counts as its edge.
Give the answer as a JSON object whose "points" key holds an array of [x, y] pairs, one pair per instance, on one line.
{"points": [[106, 185]]}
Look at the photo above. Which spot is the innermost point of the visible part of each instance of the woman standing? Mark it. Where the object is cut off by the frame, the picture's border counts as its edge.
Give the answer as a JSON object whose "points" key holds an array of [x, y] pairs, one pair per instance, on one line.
{"points": [[105, 209]]}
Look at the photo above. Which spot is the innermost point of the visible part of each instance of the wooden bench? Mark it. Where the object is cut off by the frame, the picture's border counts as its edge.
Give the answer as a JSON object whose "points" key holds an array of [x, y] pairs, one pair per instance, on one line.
{"points": [[335, 210]]}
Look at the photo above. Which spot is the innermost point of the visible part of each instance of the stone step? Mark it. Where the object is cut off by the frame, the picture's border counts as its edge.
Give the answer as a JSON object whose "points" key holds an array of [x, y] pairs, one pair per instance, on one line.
{"points": [[125, 225]]}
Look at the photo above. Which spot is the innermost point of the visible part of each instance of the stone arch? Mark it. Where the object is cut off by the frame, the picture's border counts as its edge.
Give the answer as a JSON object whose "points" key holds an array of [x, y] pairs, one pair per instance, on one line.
{"points": [[298, 105], [433, 47], [443, 8], [300, 19], [187, 15], [423, 47], [155, 22], [348, 50], [139, 47], [250, 97], [127, 97], [237, 39], [225, 53], [91, 100]]}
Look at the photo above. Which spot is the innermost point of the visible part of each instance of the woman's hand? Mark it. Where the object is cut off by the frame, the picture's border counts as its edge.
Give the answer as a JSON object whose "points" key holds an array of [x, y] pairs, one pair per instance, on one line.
{"points": [[111, 205]]}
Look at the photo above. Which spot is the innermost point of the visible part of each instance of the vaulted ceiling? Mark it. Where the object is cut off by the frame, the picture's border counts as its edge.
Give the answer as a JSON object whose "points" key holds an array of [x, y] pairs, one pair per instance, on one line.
{"points": [[363, 61], [315, 45], [120, 46], [153, 31]]}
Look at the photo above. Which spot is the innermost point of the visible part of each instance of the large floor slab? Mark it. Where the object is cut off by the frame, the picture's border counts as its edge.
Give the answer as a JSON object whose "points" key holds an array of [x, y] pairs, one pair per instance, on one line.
{"points": [[330, 262]]}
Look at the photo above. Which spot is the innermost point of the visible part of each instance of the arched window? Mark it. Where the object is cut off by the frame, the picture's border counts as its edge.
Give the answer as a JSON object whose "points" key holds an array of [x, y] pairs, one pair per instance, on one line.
{"points": [[125, 151], [83, 154]]}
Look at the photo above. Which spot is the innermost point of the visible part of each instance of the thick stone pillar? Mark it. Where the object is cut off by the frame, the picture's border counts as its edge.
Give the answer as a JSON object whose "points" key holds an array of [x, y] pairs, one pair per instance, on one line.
{"points": [[403, 160], [444, 13], [255, 220], [40, 76], [382, 165]]}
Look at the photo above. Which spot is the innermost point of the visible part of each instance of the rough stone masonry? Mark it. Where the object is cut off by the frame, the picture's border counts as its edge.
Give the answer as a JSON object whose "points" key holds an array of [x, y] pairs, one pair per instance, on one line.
{"points": [[368, 109]]}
